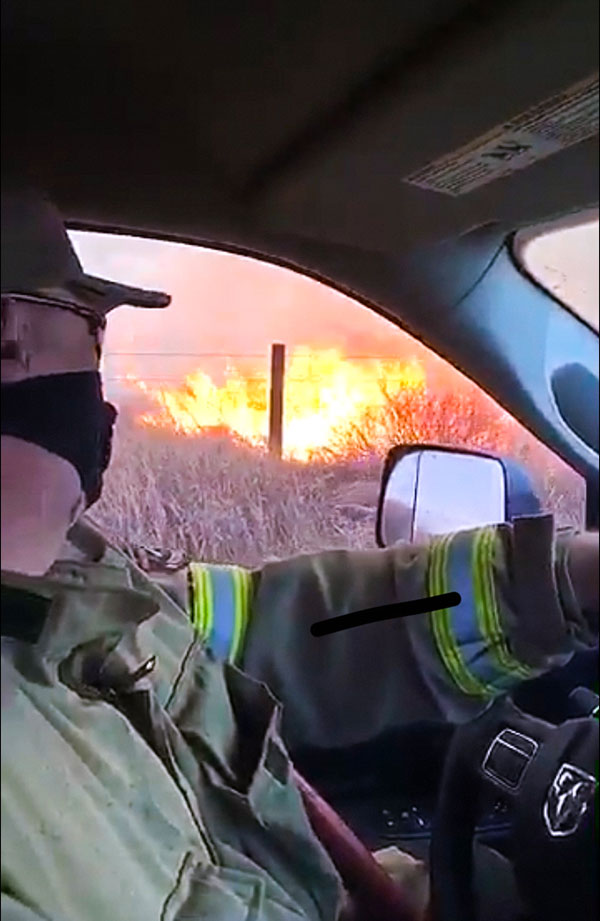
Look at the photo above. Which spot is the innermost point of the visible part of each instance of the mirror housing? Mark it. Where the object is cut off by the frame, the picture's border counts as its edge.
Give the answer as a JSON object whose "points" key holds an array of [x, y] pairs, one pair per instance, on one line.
{"points": [[431, 489]]}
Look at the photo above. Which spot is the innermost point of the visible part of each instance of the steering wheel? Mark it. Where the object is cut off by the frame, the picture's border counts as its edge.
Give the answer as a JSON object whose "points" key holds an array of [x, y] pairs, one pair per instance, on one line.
{"points": [[547, 772]]}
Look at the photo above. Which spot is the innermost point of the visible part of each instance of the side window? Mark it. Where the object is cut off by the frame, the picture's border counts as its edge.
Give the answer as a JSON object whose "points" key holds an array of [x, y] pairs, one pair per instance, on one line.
{"points": [[564, 260], [198, 467]]}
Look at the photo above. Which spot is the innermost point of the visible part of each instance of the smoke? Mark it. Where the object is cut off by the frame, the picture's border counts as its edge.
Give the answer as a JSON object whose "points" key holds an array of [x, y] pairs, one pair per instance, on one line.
{"points": [[225, 313], [223, 304]]}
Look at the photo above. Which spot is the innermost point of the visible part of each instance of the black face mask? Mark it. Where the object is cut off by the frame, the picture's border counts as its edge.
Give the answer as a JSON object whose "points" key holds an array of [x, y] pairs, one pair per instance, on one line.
{"points": [[67, 415]]}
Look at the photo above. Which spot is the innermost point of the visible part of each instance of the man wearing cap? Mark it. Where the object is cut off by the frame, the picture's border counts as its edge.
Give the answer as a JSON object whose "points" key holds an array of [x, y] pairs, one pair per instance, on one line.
{"points": [[143, 772]]}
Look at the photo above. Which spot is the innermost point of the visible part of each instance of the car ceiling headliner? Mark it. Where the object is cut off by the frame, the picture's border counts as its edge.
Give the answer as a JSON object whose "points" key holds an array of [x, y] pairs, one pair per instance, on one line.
{"points": [[237, 121]]}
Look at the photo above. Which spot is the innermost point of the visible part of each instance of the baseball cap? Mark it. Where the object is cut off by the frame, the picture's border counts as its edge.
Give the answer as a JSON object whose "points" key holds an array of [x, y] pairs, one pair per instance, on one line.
{"points": [[38, 257]]}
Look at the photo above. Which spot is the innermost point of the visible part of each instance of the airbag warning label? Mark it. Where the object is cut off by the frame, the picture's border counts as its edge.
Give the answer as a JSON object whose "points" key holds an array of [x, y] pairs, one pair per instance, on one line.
{"points": [[553, 125]]}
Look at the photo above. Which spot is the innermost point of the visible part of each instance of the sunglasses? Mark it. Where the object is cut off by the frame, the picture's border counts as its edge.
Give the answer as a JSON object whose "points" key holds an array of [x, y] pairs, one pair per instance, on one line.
{"points": [[11, 347], [95, 321]]}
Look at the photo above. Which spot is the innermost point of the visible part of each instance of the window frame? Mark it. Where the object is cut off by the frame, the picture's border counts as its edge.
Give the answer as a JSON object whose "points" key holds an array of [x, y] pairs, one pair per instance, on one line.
{"points": [[520, 239]]}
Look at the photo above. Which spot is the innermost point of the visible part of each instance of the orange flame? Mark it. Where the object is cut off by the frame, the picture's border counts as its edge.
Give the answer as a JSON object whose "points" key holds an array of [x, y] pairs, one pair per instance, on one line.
{"points": [[325, 393]]}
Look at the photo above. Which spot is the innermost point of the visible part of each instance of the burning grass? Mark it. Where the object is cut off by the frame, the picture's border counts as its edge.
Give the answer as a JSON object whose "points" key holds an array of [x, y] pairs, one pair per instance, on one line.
{"points": [[221, 500], [325, 393]]}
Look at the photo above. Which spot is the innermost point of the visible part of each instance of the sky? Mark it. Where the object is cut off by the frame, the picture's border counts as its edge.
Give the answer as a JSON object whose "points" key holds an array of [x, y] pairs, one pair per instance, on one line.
{"points": [[223, 303]]}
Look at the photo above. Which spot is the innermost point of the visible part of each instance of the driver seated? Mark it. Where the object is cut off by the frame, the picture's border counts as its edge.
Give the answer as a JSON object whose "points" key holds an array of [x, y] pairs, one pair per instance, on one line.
{"points": [[145, 772]]}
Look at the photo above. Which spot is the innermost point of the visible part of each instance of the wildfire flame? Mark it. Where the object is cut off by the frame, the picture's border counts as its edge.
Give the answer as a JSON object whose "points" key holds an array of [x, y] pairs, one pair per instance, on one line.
{"points": [[325, 392]]}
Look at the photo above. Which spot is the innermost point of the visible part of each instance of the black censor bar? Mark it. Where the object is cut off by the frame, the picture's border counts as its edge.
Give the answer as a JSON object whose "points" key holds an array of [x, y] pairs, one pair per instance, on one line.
{"points": [[385, 612]]}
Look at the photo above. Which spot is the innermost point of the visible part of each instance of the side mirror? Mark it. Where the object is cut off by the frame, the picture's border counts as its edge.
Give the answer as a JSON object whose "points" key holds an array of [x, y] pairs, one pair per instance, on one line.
{"points": [[427, 490]]}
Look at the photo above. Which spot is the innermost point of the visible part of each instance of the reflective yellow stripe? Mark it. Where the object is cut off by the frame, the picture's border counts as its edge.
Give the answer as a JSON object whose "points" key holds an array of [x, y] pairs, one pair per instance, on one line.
{"points": [[488, 616], [194, 597], [442, 626], [242, 580], [201, 599], [238, 611]]}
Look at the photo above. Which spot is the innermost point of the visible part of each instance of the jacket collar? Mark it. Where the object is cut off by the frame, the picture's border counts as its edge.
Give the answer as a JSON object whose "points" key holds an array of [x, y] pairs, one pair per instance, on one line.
{"points": [[91, 592]]}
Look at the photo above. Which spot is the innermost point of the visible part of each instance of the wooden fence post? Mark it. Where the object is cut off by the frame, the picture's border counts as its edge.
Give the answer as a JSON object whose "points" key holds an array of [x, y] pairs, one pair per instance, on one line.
{"points": [[276, 399]]}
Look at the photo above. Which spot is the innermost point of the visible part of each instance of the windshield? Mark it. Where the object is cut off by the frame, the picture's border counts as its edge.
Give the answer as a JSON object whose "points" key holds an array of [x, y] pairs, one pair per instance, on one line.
{"points": [[565, 261]]}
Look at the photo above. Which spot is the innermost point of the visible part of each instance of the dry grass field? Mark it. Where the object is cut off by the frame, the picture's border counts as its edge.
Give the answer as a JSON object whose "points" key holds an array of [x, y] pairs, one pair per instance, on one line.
{"points": [[221, 500]]}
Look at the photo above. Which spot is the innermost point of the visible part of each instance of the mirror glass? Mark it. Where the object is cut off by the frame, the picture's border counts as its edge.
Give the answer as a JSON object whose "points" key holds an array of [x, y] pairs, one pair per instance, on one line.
{"points": [[434, 492]]}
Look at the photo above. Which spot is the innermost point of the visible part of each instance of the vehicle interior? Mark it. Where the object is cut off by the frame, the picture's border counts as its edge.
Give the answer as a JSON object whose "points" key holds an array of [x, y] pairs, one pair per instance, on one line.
{"points": [[352, 142]]}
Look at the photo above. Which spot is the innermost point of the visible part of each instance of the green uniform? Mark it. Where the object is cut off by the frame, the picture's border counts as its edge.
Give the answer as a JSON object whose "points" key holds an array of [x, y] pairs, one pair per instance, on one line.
{"points": [[518, 618], [144, 779]]}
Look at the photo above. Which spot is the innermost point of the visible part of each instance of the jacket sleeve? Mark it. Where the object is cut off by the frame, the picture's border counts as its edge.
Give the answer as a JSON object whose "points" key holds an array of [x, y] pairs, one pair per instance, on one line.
{"points": [[517, 618]]}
